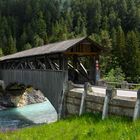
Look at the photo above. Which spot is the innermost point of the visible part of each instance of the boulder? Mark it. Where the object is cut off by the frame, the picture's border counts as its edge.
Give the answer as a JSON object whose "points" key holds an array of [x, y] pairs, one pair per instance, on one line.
{"points": [[21, 98]]}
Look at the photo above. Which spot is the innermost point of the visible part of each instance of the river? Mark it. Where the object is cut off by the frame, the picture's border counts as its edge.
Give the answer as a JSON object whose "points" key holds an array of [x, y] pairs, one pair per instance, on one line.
{"points": [[14, 118]]}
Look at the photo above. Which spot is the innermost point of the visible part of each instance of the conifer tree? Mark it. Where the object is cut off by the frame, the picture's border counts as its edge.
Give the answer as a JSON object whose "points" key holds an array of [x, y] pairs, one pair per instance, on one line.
{"points": [[39, 25], [132, 65], [23, 40], [37, 41], [119, 49], [38, 22], [11, 45], [1, 52], [27, 46]]}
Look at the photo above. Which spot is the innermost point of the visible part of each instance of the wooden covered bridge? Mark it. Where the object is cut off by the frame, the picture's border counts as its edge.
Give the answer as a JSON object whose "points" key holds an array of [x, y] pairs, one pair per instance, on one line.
{"points": [[48, 67]]}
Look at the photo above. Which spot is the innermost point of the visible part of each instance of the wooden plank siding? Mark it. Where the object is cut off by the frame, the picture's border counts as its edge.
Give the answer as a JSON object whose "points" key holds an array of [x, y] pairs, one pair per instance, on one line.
{"points": [[49, 82]]}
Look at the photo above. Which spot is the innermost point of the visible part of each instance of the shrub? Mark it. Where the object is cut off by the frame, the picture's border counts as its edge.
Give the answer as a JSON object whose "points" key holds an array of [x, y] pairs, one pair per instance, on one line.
{"points": [[115, 75]]}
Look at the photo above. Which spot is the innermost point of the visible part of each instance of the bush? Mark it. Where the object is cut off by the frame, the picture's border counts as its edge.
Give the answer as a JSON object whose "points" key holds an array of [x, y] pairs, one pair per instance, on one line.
{"points": [[115, 75]]}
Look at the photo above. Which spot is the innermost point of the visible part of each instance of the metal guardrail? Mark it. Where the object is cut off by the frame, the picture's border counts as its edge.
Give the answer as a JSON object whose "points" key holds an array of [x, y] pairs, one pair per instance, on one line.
{"points": [[124, 85]]}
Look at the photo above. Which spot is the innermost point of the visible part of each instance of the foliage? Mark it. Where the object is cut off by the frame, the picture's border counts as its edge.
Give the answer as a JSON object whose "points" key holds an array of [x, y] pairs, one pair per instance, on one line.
{"points": [[89, 127], [112, 23], [115, 75], [1, 52], [27, 46], [137, 87]]}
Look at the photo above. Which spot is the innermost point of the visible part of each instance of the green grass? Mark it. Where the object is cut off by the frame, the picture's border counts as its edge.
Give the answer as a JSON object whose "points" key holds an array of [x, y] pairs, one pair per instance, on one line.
{"points": [[86, 127]]}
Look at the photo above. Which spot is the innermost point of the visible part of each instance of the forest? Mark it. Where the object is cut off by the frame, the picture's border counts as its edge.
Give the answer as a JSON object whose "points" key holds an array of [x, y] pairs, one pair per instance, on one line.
{"points": [[115, 24]]}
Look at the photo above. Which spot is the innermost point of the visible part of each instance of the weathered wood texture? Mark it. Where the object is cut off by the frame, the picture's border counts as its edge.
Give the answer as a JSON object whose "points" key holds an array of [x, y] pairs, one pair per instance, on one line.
{"points": [[107, 99], [137, 107], [51, 83], [94, 103]]}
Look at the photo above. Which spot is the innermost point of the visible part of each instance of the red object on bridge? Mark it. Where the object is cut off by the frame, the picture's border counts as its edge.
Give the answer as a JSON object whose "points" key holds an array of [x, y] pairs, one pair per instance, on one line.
{"points": [[97, 65]]}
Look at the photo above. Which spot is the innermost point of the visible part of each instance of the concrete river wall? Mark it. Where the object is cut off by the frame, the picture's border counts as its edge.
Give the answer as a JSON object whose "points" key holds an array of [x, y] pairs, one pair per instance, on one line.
{"points": [[122, 103]]}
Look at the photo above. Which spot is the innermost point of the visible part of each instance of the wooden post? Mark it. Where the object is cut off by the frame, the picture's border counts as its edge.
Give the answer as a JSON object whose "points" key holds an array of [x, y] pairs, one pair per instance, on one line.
{"points": [[92, 75], [82, 106], [61, 103], [137, 107], [109, 94], [124, 85], [66, 87], [63, 62], [2, 84], [75, 60]]}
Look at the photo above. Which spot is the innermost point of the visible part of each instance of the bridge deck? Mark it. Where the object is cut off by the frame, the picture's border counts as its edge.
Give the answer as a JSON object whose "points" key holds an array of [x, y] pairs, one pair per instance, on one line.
{"points": [[102, 90]]}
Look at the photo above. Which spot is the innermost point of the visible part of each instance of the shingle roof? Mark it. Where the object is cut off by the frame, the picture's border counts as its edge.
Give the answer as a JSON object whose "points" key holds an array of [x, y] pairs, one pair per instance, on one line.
{"points": [[46, 49]]}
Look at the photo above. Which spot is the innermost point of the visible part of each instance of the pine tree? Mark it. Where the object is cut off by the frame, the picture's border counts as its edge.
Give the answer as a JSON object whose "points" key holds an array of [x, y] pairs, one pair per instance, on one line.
{"points": [[39, 22], [37, 41], [105, 23], [23, 40], [60, 31], [115, 62], [39, 26], [113, 37], [1, 52], [123, 9], [132, 65], [93, 16], [106, 40], [11, 45], [119, 49], [111, 20], [80, 28], [27, 46]]}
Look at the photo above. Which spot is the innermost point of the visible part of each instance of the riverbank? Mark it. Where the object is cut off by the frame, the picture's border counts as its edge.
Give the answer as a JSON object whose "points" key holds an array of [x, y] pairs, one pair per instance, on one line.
{"points": [[17, 95]]}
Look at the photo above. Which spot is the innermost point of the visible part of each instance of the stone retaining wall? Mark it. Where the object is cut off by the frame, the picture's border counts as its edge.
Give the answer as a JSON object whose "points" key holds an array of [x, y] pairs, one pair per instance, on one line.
{"points": [[94, 102]]}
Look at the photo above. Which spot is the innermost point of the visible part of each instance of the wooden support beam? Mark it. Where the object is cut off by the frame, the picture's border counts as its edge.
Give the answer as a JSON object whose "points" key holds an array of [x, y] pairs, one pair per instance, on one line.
{"points": [[137, 107], [110, 93], [51, 64], [62, 106], [12, 65], [73, 68], [18, 66], [63, 62], [92, 70], [74, 63], [78, 71], [46, 62], [81, 53], [56, 65], [22, 67], [31, 66], [83, 69], [64, 91], [2, 84], [84, 94], [41, 64]]}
